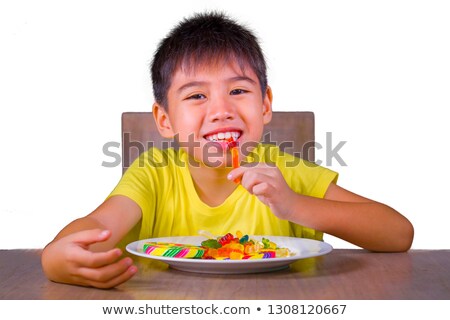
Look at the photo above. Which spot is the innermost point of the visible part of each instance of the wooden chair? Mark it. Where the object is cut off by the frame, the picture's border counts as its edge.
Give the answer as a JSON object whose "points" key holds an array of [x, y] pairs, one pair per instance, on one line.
{"points": [[293, 132]]}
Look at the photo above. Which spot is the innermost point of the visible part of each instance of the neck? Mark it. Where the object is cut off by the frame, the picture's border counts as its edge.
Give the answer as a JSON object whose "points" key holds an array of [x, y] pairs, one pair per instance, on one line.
{"points": [[211, 184]]}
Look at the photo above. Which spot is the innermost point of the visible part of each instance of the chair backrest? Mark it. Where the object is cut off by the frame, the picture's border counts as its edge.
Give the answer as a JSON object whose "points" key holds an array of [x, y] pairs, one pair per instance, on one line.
{"points": [[293, 132]]}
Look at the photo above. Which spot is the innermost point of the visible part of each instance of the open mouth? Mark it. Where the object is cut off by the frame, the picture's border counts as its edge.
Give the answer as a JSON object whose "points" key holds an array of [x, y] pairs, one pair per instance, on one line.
{"points": [[226, 139], [223, 136]]}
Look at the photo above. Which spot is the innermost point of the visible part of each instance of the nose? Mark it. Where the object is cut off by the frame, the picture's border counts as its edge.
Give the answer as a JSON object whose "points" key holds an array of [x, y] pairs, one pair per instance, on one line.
{"points": [[221, 110]]}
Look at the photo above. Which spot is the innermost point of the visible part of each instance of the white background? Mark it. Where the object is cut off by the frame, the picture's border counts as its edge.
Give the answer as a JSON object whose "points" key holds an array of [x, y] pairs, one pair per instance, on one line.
{"points": [[376, 74]]}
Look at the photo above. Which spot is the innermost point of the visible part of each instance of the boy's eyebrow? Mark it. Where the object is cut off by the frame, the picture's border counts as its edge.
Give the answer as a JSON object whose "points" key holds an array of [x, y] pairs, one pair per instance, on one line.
{"points": [[191, 84], [242, 78], [202, 83]]}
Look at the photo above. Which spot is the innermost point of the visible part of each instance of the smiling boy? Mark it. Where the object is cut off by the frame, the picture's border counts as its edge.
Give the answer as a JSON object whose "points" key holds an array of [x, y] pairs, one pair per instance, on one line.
{"points": [[210, 85]]}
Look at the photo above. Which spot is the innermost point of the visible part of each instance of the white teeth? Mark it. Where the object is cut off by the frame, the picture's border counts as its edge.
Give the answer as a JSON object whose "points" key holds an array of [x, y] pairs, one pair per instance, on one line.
{"points": [[223, 135]]}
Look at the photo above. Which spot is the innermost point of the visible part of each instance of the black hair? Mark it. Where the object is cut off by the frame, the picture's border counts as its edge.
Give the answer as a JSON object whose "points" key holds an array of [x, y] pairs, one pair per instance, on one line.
{"points": [[205, 37]]}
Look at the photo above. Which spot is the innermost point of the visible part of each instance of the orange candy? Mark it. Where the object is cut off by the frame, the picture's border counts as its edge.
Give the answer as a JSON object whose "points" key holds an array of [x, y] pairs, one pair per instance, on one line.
{"points": [[234, 255]]}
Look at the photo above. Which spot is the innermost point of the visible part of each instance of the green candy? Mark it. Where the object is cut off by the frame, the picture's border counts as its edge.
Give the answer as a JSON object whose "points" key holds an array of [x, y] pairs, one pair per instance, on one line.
{"points": [[266, 243], [244, 239], [211, 243]]}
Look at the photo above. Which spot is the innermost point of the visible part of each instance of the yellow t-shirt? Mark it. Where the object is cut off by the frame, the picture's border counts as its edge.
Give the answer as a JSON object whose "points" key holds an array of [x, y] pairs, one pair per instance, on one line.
{"points": [[159, 181]]}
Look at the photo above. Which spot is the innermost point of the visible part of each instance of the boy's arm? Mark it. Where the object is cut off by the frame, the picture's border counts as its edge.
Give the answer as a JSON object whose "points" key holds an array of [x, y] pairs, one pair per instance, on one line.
{"points": [[83, 252], [361, 221], [117, 214]]}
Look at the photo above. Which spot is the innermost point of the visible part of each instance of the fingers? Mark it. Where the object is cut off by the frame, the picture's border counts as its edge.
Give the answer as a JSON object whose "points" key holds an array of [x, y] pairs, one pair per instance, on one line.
{"points": [[127, 275], [262, 168], [262, 189], [110, 275], [98, 269], [254, 179], [90, 259], [69, 260], [88, 237], [101, 269], [236, 173], [253, 182]]}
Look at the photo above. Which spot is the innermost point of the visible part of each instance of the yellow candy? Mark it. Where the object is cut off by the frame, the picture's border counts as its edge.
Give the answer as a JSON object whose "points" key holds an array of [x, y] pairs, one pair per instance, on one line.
{"points": [[236, 255], [256, 256], [282, 252], [212, 253], [236, 247], [250, 249]]}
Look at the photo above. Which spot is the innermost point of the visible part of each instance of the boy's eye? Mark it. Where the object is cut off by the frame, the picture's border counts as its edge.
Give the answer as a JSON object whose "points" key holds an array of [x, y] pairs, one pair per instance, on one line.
{"points": [[237, 91], [196, 96]]}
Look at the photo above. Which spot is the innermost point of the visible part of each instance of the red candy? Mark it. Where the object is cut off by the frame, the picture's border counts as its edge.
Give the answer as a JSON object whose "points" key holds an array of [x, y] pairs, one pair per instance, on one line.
{"points": [[226, 239], [232, 143]]}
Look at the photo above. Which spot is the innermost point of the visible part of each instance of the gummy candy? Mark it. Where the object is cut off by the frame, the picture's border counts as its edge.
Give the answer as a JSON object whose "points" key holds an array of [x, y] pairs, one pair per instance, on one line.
{"points": [[242, 247], [282, 252], [236, 256], [211, 243], [243, 239], [226, 239], [233, 147]]}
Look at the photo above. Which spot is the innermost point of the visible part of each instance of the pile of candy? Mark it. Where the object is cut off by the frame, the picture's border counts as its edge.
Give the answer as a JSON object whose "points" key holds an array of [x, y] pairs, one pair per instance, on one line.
{"points": [[227, 247], [242, 247]]}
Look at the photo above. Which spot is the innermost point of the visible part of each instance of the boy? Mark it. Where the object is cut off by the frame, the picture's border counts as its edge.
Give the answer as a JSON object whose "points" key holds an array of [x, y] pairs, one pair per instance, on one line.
{"points": [[210, 86]]}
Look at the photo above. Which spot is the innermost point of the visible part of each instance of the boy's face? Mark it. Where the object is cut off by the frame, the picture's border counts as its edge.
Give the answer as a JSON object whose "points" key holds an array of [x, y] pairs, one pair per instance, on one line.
{"points": [[213, 103]]}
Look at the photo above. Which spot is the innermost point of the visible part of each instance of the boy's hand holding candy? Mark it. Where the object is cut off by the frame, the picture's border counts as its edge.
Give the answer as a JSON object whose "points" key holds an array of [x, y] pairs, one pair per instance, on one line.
{"points": [[268, 184]]}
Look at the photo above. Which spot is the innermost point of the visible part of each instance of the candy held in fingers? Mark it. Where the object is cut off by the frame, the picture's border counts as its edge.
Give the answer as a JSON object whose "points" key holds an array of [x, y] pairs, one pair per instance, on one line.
{"points": [[235, 157], [233, 147]]}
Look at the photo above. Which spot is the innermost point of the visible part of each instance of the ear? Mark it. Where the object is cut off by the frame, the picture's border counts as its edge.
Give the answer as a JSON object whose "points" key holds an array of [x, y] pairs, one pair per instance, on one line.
{"points": [[162, 121], [267, 106]]}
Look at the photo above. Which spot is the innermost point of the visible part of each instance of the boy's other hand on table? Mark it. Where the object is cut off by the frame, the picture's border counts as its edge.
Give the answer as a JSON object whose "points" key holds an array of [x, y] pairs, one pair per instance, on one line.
{"points": [[69, 260]]}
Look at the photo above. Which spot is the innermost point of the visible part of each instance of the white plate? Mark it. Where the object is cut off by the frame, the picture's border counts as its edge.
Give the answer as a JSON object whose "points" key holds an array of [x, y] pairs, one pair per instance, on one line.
{"points": [[302, 248]]}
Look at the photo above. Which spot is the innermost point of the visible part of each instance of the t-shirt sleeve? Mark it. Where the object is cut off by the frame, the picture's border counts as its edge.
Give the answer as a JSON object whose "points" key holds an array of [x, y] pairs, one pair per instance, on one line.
{"points": [[317, 179], [306, 177], [137, 184]]}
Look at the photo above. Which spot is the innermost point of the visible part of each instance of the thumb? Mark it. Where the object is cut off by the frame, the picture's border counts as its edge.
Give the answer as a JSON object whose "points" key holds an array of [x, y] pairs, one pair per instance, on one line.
{"points": [[88, 237]]}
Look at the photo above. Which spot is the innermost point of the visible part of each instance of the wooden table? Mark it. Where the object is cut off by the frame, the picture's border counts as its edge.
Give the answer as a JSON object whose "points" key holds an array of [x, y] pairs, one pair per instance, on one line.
{"points": [[342, 274]]}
